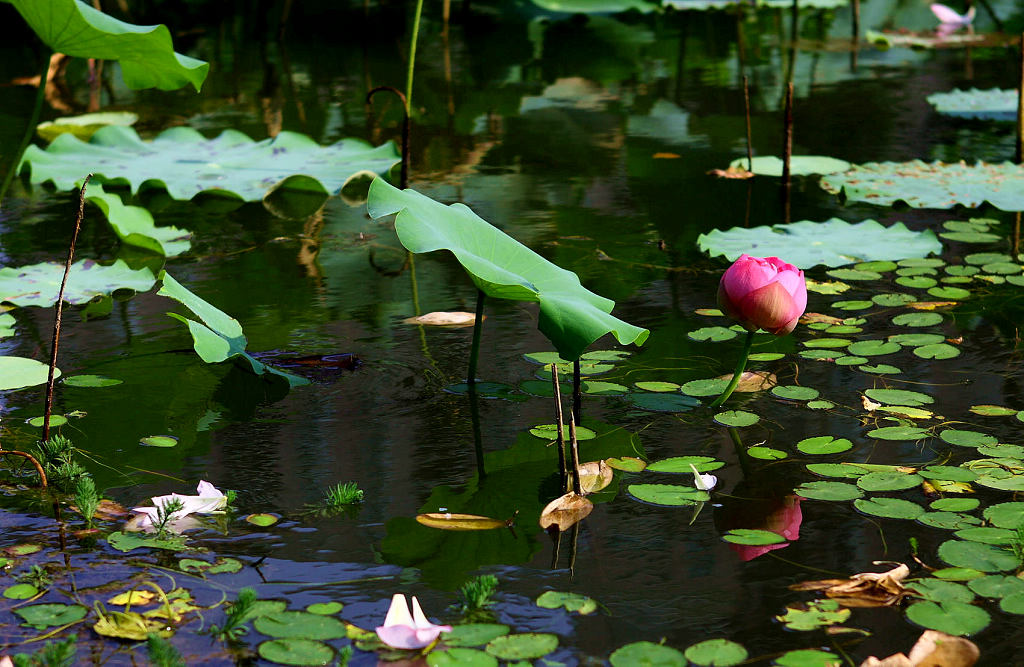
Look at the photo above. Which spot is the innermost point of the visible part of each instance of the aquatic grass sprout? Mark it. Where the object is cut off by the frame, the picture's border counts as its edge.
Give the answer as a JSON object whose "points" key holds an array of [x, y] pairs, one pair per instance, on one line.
{"points": [[238, 614], [86, 498], [405, 630], [476, 593], [763, 293], [347, 493]]}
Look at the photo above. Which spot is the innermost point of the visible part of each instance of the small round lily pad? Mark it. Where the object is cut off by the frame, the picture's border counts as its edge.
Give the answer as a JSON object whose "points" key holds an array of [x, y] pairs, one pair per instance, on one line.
{"points": [[158, 441]]}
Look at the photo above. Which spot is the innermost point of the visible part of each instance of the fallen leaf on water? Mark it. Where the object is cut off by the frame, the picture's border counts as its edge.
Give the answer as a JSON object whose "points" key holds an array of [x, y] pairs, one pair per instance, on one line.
{"points": [[133, 598], [564, 511], [930, 305], [869, 405], [732, 172], [808, 318], [443, 319], [452, 521], [866, 589], [595, 476], [753, 381], [935, 487], [933, 649], [666, 156]]}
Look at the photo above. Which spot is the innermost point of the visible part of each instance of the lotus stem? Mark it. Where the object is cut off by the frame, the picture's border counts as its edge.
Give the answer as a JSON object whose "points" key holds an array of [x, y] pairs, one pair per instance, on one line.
{"points": [[746, 114], [44, 74], [474, 351], [31, 459], [60, 309], [478, 442], [563, 470], [1019, 157], [741, 452], [577, 486], [412, 56], [403, 179], [787, 150], [740, 367], [577, 394]]}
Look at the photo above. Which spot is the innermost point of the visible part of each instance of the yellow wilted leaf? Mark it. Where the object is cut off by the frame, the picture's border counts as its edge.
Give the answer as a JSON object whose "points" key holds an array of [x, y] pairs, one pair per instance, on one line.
{"points": [[732, 172], [565, 510], [808, 318], [595, 476], [133, 598], [930, 305], [452, 521]]}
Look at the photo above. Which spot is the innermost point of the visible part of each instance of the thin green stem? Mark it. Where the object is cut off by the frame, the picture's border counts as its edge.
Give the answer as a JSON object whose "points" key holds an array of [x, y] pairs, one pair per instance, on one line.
{"points": [[740, 367], [474, 351], [412, 56], [30, 131]]}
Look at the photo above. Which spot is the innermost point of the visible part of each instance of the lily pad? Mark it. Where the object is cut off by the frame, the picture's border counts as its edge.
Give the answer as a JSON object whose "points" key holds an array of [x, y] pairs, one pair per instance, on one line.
{"points": [[646, 653], [474, 634], [460, 657], [550, 432], [983, 557], [669, 495], [890, 508], [992, 104], [807, 657], [795, 393], [572, 602], [145, 53], [300, 625], [888, 481], [128, 541], [898, 433], [1006, 515], [90, 381], [766, 453], [38, 284], [663, 402], [186, 163], [931, 185], [752, 537], [20, 592], [899, 397], [964, 438], [296, 652], [955, 504], [873, 348], [799, 165], [716, 653], [571, 316], [816, 614], [527, 646], [827, 490], [953, 618], [917, 319], [823, 444], [736, 418], [832, 243], [42, 616], [997, 585], [712, 334], [681, 464], [938, 590]]}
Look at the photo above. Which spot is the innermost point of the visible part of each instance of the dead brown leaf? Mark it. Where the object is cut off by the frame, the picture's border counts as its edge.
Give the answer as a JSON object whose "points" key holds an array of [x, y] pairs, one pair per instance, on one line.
{"points": [[930, 305], [564, 511], [808, 318], [443, 319], [667, 156], [866, 589], [933, 649], [595, 475], [453, 521], [732, 172]]}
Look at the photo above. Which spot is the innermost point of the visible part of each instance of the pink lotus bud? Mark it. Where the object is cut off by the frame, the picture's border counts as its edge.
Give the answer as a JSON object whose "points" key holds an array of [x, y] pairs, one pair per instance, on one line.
{"points": [[763, 293]]}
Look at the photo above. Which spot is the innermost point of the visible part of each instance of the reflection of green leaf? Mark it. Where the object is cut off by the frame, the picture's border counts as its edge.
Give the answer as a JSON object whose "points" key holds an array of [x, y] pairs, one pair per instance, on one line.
{"points": [[931, 185], [186, 163], [145, 53], [833, 243], [571, 316], [220, 336]]}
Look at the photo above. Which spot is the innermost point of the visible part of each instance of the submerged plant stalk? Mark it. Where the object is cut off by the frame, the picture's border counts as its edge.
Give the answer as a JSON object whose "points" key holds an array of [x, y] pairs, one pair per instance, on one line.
{"points": [[577, 394], [403, 179], [563, 471], [474, 350], [746, 115], [577, 486], [1019, 156], [60, 308], [787, 150], [740, 367], [412, 56]]}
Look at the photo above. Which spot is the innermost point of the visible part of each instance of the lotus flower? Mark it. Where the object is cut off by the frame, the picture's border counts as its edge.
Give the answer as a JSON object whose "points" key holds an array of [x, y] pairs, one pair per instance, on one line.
{"points": [[408, 631], [950, 20], [6, 661], [207, 499], [763, 293]]}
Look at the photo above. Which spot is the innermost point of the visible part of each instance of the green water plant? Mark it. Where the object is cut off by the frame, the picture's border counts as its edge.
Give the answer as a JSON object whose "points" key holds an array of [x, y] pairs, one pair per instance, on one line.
{"points": [[238, 613], [476, 593], [341, 494], [55, 654], [57, 457], [571, 316], [86, 497], [161, 653]]}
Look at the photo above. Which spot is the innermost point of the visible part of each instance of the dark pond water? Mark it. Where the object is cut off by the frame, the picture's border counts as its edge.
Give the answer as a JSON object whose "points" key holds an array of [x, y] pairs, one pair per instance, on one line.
{"points": [[550, 127]]}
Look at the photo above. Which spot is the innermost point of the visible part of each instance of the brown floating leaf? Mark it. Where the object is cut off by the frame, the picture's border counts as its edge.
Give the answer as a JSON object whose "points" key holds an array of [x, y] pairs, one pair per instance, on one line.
{"points": [[666, 156], [930, 305], [108, 510], [933, 649], [867, 589], [595, 476], [869, 405], [451, 521], [809, 318], [732, 172], [443, 319], [753, 381], [564, 511]]}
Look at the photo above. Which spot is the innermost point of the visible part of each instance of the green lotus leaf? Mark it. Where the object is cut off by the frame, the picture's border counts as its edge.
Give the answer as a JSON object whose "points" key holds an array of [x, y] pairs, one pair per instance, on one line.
{"points": [[799, 165], [19, 372], [571, 316], [992, 104], [84, 126], [219, 337], [38, 284], [832, 243], [134, 225], [186, 163], [931, 185], [145, 53]]}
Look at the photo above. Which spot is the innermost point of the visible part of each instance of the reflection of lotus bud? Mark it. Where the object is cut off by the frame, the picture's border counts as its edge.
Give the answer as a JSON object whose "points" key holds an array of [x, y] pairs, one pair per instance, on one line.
{"points": [[779, 515]]}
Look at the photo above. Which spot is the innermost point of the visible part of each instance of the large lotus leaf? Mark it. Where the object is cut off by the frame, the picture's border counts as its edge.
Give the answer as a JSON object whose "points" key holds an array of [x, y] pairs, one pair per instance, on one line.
{"points": [[134, 225], [186, 163], [832, 243], [219, 336], [84, 126], [930, 40], [704, 5], [38, 284], [145, 53], [595, 6], [994, 104], [799, 165], [934, 185], [571, 316], [19, 372]]}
